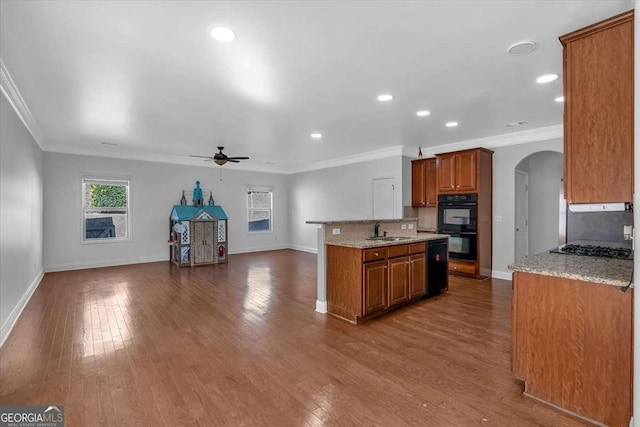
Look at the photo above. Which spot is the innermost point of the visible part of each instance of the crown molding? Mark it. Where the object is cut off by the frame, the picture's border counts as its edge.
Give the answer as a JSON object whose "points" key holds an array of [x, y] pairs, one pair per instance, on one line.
{"points": [[383, 153], [144, 156], [12, 94], [496, 141]]}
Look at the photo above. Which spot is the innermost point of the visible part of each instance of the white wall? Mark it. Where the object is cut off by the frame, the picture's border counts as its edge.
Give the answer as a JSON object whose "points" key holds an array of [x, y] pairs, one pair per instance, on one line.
{"points": [[505, 160], [546, 170], [155, 188], [406, 181], [338, 193], [20, 216]]}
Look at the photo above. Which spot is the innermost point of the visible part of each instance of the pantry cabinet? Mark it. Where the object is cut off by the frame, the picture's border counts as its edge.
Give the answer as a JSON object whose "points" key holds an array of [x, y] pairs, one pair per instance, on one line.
{"points": [[598, 111]]}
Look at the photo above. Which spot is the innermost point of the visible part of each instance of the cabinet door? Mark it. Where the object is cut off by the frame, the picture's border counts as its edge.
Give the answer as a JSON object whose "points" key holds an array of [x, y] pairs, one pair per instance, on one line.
{"points": [[417, 275], [398, 280], [466, 171], [431, 190], [375, 287], [446, 173], [418, 177], [598, 73]]}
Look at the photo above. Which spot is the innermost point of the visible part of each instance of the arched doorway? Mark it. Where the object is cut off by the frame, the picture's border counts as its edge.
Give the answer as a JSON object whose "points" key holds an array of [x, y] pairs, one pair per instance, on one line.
{"points": [[539, 203]]}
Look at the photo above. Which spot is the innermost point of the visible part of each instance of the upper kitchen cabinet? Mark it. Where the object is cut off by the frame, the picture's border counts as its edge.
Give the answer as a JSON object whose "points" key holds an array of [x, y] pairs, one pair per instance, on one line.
{"points": [[459, 172], [423, 183], [598, 111]]}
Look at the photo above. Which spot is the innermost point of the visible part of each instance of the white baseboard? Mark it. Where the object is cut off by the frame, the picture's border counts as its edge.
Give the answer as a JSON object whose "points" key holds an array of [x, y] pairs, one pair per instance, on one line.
{"points": [[17, 311], [321, 306], [504, 275], [304, 249], [106, 263], [258, 249]]}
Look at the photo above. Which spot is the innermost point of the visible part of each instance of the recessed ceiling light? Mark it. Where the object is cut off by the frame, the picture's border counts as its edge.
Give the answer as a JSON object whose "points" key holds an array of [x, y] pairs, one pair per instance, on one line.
{"points": [[546, 78], [451, 124], [316, 135], [222, 34], [423, 113], [560, 99], [385, 97], [522, 47]]}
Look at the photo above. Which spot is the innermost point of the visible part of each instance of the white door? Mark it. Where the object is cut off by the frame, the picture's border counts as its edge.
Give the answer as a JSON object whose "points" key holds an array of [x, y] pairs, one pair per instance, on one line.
{"points": [[384, 190], [522, 215]]}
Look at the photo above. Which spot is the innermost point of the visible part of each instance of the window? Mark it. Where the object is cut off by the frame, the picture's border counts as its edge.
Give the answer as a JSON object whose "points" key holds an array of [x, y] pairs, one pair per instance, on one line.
{"points": [[259, 209], [105, 210]]}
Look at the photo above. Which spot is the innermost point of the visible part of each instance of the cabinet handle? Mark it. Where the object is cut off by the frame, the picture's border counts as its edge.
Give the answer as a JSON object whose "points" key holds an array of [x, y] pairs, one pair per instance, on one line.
{"points": [[375, 254], [455, 268], [385, 266]]}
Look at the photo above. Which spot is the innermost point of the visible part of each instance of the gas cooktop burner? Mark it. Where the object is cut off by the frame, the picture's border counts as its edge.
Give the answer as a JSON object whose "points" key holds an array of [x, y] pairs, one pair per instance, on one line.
{"points": [[591, 250]]}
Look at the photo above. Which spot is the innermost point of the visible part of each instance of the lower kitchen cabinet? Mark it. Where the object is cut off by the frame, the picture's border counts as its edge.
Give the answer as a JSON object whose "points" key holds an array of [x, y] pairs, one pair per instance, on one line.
{"points": [[364, 283], [375, 287]]}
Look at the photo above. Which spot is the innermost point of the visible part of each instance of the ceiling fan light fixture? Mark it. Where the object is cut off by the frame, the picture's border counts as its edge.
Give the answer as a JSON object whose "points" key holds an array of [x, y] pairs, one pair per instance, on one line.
{"points": [[220, 161]]}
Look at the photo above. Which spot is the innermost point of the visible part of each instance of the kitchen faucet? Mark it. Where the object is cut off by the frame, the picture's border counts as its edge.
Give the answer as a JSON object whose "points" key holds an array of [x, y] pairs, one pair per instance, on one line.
{"points": [[376, 229]]}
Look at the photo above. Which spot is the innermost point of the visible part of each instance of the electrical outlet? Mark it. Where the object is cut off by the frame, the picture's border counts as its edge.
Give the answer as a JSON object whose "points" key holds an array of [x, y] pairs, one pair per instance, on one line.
{"points": [[336, 231], [410, 226], [498, 218], [404, 226]]}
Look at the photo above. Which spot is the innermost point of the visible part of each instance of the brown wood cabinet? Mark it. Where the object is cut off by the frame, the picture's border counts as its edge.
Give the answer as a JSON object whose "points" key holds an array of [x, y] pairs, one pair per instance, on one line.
{"points": [[471, 171], [457, 172], [598, 111], [571, 343], [363, 283], [375, 287], [423, 183]]}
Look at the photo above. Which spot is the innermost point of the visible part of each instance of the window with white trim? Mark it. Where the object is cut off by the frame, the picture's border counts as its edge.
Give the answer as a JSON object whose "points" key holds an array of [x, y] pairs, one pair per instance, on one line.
{"points": [[259, 209], [105, 210]]}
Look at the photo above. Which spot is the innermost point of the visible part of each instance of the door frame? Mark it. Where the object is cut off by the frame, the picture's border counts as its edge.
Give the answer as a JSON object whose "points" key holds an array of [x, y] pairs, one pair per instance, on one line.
{"points": [[517, 194]]}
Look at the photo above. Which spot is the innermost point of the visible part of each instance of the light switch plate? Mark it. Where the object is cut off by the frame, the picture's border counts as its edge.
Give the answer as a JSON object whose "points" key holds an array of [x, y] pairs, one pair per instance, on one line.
{"points": [[404, 226], [410, 226], [498, 218], [336, 231]]}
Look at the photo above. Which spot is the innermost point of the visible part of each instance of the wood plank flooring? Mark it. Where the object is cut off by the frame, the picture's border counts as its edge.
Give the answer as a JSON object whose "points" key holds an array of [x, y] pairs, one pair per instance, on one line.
{"points": [[240, 344]]}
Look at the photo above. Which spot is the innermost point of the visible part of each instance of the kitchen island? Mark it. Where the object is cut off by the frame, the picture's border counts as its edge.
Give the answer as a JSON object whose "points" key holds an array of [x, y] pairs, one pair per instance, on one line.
{"points": [[344, 242], [572, 332]]}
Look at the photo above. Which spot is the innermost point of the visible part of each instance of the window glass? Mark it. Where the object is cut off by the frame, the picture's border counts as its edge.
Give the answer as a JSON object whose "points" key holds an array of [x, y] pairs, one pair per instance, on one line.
{"points": [[259, 209], [105, 210]]}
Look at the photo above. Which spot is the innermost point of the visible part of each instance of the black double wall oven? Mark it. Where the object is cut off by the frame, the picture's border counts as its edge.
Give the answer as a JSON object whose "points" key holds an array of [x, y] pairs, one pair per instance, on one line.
{"points": [[458, 217]]}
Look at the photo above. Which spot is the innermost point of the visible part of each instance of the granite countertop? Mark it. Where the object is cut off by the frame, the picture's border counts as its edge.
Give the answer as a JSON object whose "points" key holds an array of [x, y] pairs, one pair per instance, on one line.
{"points": [[362, 221], [608, 271], [362, 243]]}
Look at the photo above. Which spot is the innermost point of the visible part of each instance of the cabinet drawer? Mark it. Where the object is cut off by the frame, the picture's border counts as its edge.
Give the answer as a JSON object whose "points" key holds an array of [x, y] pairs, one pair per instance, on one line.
{"points": [[462, 267], [375, 254], [398, 250], [416, 248]]}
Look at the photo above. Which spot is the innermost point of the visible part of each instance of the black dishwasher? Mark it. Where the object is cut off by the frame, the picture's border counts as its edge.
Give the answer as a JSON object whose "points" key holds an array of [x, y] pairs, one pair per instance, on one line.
{"points": [[437, 277]]}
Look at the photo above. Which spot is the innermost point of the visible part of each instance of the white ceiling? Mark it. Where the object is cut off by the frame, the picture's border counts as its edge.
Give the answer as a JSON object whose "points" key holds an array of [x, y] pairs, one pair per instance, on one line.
{"points": [[147, 76]]}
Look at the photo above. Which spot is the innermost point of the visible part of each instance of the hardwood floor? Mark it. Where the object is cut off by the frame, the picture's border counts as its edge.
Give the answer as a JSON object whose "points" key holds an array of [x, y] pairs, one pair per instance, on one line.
{"points": [[240, 344]]}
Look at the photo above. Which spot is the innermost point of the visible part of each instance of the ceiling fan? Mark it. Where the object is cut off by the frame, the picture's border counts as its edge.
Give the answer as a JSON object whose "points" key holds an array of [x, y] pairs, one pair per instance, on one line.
{"points": [[221, 158]]}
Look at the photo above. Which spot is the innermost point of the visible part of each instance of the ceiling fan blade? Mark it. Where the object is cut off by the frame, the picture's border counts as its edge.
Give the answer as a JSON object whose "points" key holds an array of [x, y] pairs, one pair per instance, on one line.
{"points": [[204, 157], [233, 160], [237, 158]]}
